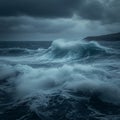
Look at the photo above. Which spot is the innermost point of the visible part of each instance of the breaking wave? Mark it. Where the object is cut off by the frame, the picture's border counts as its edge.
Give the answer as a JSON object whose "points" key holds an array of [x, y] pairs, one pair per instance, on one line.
{"points": [[87, 89], [75, 49], [60, 51]]}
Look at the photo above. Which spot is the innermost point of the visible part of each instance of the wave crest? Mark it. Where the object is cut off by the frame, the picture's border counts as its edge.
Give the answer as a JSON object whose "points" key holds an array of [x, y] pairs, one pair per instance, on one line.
{"points": [[75, 49]]}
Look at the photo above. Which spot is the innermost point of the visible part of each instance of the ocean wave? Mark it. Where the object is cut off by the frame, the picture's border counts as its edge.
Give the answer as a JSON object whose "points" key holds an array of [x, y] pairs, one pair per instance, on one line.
{"points": [[38, 86], [59, 51], [58, 89], [76, 49], [18, 51]]}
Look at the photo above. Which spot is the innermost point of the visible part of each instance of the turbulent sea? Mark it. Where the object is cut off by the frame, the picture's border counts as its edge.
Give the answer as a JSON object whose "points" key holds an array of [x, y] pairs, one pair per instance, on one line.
{"points": [[60, 80]]}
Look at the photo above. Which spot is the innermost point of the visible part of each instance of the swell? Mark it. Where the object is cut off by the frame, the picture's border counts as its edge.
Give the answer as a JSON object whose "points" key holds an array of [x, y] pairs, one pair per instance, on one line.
{"points": [[60, 51], [67, 91], [19, 51], [13, 51]]}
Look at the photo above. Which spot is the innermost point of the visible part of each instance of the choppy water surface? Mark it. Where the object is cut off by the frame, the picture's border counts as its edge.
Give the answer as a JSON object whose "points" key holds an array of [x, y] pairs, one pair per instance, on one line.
{"points": [[75, 80]]}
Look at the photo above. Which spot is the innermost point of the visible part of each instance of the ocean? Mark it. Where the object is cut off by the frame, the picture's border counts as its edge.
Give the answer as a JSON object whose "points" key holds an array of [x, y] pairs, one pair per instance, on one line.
{"points": [[60, 80]]}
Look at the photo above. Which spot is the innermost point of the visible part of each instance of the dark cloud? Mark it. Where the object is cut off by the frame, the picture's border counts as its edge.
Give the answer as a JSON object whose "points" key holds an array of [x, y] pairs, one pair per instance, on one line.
{"points": [[112, 12], [39, 8], [52, 19], [27, 24], [91, 10], [29, 28], [106, 11]]}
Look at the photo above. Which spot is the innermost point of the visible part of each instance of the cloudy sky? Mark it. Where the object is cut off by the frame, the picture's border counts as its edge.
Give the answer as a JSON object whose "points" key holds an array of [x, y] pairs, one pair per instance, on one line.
{"points": [[54, 19]]}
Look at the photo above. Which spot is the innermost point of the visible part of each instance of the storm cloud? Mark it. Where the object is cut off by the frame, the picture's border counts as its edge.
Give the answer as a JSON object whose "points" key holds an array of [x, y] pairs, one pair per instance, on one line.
{"points": [[59, 17], [104, 10]]}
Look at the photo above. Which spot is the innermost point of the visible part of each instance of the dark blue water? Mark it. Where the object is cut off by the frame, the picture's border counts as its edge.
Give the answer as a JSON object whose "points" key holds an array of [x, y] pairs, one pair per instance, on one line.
{"points": [[60, 80], [25, 44]]}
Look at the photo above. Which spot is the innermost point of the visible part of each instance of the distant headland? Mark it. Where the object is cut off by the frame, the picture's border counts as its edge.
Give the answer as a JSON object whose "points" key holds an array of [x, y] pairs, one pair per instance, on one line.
{"points": [[108, 37]]}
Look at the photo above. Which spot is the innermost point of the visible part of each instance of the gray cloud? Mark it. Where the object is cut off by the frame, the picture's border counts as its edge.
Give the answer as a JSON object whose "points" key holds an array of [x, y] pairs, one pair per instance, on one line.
{"points": [[34, 25], [105, 11], [29, 28], [45, 19], [39, 8]]}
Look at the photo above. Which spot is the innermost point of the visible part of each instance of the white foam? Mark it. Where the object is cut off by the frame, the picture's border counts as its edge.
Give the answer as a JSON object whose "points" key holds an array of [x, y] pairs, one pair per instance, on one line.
{"points": [[59, 51], [42, 82], [83, 78]]}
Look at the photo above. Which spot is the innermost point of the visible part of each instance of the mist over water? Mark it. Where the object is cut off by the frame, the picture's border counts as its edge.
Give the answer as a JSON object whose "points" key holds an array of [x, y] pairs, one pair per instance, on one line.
{"points": [[75, 80]]}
